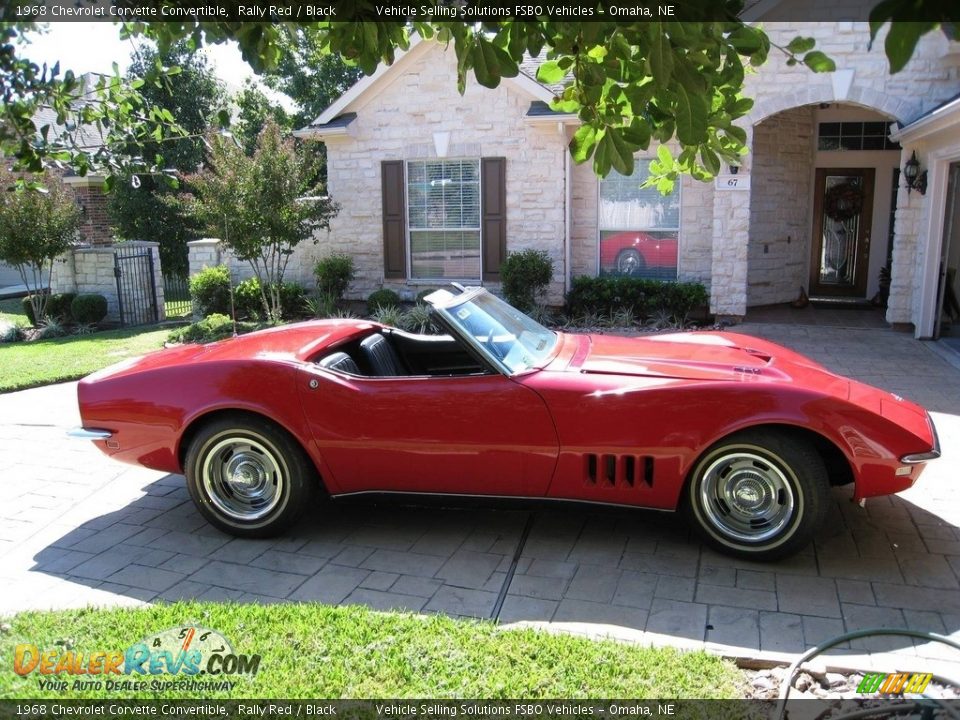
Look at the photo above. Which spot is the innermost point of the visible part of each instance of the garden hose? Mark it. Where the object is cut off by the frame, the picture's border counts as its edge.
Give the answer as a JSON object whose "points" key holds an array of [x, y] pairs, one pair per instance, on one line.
{"points": [[813, 652]]}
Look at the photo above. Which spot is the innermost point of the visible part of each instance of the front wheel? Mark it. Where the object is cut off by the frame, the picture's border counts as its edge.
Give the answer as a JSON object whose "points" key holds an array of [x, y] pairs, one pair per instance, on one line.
{"points": [[758, 494], [248, 477]]}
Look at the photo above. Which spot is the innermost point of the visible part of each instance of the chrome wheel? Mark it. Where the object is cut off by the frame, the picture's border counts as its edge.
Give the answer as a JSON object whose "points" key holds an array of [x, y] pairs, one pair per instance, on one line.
{"points": [[243, 478], [247, 475], [759, 493], [746, 497], [629, 262]]}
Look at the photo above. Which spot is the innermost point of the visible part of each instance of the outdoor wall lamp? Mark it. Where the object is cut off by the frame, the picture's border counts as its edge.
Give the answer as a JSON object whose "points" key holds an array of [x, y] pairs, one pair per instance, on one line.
{"points": [[734, 169], [915, 177]]}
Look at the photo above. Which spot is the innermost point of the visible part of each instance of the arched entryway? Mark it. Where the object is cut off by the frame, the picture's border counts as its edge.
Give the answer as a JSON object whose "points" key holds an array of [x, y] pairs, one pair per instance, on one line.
{"points": [[822, 205]]}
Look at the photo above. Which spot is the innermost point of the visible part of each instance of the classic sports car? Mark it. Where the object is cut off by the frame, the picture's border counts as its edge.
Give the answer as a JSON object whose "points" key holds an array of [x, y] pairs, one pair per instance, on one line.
{"points": [[637, 253], [745, 437]]}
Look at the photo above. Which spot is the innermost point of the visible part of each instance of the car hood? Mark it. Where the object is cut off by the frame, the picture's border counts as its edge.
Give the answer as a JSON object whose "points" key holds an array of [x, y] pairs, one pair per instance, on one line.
{"points": [[715, 356]]}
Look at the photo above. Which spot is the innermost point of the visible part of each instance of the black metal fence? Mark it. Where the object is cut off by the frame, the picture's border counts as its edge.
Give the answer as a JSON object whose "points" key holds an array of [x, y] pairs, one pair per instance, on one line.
{"points": [[176, 297], [136, 290]]}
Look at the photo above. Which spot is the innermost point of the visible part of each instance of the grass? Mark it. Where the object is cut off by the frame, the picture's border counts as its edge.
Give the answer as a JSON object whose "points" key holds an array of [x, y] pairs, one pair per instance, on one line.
{"points": [[11, 310], [319, 651], [30, 364]]}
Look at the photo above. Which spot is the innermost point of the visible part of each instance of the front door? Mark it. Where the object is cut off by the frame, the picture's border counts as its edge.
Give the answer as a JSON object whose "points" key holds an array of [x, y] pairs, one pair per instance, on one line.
{"points": [[843, 208]]}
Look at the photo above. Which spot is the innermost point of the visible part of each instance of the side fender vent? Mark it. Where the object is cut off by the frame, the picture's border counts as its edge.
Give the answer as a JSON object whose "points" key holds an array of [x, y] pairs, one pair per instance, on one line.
{"points": [[611, 471]]}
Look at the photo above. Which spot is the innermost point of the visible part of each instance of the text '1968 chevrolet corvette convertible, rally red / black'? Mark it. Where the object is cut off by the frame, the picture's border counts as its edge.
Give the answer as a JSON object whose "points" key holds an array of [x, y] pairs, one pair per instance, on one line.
{"points": [[743, 436]]}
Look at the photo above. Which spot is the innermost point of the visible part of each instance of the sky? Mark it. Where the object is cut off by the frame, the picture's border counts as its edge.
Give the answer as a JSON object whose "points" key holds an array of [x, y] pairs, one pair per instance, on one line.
{"points": [[95, 46]]}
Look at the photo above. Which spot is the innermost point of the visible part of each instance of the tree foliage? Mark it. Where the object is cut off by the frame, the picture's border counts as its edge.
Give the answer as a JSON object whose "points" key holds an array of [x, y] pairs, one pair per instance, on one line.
{"points": [[630, 83], [309, 74], [35, 227], [254, 109], [94, 122], [262, 206], [143, 206]]}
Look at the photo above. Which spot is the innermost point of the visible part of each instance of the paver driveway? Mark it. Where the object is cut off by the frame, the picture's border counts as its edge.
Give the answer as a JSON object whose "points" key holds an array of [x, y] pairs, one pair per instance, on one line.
{"points": [[78, 528]]}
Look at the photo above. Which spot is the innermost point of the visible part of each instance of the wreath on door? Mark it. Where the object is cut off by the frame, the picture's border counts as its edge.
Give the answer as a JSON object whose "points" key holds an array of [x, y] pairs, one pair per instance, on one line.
{"points": [[843, 201]]}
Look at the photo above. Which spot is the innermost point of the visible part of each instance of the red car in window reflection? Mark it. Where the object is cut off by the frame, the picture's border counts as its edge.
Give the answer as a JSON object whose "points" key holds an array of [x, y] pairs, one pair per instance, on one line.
{"points": [[744, 437], [635, 253]]}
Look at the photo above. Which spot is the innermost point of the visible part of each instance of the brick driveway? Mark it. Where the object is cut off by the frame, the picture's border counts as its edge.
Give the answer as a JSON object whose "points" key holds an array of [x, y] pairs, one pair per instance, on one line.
{"points": [[79, 529]]}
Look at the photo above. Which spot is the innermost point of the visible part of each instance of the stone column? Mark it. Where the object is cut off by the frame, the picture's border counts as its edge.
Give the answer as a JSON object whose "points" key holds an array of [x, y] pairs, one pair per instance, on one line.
{"points": [[731, 225]]}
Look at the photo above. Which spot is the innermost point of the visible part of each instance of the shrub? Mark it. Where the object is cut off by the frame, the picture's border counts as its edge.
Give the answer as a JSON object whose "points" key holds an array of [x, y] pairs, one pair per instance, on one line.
{"points": [[88, 309], [610, 295], [210, 291], [51, 328], [248, 300], [390, 315], [56, 306], [382, 298], [334, 273], [423, 294], [417, 320], [210, 329], [525, 276], [10, 332], [322, 306]]}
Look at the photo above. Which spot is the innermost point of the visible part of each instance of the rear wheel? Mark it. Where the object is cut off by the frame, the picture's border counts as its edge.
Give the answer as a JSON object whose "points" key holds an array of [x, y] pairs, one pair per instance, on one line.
{"points": [[759, 494], [630, 262], [248, 477]]}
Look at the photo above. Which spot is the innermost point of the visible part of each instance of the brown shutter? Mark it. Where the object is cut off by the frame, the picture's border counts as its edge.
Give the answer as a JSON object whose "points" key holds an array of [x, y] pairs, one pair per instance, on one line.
{"points": [[493, 233], [394, 220]]}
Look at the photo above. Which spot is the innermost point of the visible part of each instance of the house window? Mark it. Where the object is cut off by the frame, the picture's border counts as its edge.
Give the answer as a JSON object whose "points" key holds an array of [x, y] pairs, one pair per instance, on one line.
{"points": [[854, 136], [639, 227], [443, 212]]}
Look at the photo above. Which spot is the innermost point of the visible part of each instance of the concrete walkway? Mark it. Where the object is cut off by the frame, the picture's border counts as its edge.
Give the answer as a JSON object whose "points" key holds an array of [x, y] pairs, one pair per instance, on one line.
{"points": [[79, 529]]}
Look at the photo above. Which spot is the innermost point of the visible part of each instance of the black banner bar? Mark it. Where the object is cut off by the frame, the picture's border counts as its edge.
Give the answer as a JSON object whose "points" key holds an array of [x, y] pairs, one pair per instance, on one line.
{"points": [[304, 11], [479, 709]]}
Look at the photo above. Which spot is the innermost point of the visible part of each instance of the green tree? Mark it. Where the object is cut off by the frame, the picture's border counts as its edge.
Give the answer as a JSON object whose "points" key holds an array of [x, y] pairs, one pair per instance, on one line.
{"points": [[254, 109], [35, 227], [262, 206], [143, 205], [309, 74]]}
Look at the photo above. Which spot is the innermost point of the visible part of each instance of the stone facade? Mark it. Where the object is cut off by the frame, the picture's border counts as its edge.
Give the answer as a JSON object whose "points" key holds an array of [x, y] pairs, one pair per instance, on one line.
{"points": [[749, 247], [399, 121], [91, 269], [862, 80], [780, 207]]}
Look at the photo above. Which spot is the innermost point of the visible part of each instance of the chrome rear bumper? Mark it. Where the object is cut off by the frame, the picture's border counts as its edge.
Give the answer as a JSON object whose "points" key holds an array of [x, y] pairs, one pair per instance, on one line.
{"points": [[82, 433]]}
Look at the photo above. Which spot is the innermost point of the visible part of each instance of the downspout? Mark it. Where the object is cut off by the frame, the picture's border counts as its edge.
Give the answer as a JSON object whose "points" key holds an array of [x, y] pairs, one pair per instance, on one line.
{"points": [[568, 212]]}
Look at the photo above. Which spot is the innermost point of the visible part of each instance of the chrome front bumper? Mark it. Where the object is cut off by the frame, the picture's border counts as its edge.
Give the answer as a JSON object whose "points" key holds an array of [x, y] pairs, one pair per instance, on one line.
{"points": [[933, 454]]}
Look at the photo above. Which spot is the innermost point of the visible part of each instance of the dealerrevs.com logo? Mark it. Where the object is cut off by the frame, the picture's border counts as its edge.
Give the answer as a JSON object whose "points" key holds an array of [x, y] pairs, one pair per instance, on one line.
{"points": [[202, 659]]}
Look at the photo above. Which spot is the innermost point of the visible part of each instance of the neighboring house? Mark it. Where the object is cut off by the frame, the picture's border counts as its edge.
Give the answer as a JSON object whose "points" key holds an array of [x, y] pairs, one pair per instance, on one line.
{"points": [[88, 191], [435, 186]]}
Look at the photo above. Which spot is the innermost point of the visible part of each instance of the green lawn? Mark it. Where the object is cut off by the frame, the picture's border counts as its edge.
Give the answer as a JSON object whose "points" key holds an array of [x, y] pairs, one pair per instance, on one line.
{"points": [[11, 309], [318, 651], [29, 364]]}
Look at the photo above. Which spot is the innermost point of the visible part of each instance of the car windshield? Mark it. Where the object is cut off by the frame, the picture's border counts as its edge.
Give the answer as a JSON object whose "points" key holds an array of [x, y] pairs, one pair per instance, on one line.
{"points": [[498, 329]]}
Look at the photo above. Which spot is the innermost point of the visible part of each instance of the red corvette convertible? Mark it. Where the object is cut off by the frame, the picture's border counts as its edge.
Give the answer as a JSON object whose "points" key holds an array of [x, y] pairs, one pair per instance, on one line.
{"points": [[638, 253], [745, 437]]}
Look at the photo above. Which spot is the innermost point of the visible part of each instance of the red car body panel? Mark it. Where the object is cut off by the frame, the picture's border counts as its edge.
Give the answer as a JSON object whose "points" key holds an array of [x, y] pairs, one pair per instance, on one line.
{"points": [[608, 419]]}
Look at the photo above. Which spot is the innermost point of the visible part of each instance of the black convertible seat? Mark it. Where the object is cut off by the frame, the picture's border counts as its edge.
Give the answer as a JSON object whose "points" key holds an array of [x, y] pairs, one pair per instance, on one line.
{"points": [[340, 361], [383, 359]]}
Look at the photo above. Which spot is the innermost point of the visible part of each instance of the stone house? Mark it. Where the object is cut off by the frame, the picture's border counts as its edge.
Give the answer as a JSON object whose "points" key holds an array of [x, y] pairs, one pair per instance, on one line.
{"points": [[435, 186], [88, 192]]}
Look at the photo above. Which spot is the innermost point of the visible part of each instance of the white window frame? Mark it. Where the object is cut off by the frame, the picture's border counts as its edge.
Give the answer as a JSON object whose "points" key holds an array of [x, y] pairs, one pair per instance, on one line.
{"points": [[407, 228], [677, 188]]}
